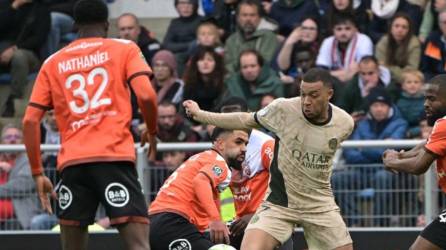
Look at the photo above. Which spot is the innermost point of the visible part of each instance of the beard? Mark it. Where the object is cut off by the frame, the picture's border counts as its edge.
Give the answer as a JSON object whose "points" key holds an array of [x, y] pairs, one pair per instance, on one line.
{"points": [[249, 28], [435, 116], [235, 164]]}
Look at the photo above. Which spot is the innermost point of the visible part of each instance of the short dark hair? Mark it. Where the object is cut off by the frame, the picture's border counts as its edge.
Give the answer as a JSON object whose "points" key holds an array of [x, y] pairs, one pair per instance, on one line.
{"points": [[317, 74], [217, 132], [233, 101], [343, 19], [440, 81], [90, 12], [193, 2], [167, 103], [260, 60], [368, 59], [250, 2]]}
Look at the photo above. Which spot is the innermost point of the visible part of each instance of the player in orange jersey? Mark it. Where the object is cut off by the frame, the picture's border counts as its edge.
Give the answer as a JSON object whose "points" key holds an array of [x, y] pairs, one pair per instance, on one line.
{"points": [[187, 204], [418, 160], [87, 83]]}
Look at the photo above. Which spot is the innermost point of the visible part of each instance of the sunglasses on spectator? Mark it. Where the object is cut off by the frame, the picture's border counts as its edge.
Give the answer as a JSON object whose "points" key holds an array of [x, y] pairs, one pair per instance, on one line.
{"points": [[11, 137]]}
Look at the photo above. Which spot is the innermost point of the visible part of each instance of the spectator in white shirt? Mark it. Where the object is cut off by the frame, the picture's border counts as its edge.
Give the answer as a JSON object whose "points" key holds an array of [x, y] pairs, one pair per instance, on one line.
{"points": [[341, 52]]}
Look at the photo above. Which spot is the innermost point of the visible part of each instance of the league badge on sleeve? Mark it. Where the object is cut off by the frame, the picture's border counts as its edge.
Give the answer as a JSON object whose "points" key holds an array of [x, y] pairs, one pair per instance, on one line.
{"points": [[217, 170], [333, 143]]}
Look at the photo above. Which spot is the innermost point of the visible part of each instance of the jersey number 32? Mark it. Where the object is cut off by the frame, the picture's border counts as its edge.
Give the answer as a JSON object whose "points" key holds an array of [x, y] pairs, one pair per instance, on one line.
{"points": [[80, 91]]}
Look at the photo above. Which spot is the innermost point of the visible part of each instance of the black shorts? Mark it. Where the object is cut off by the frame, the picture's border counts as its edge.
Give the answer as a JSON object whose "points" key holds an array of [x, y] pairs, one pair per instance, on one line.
{"points": [[113, 184], [170, 231], [435, 232]]}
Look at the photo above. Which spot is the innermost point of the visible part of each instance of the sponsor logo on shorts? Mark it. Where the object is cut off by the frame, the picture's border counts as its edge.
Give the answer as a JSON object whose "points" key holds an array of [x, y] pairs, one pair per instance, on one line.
{"points": [[180, 244], [217, 171], [65, 197], [442, 217], [117, 194]]}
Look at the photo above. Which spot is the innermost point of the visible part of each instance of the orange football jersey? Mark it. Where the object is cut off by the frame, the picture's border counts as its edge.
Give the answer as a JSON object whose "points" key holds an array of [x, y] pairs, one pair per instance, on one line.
{"points": [[177, 194], [250, 185], [87, 85], [437, 145]]}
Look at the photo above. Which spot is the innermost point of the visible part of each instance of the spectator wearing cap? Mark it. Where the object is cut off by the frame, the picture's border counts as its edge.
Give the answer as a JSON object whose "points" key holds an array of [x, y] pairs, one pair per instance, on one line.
{"points": [[383, 122], [166, 83], [181, 31]]}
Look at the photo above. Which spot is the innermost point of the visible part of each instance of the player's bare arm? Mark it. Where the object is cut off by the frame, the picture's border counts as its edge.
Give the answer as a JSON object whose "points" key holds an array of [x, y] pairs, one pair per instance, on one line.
{"points": [[236, 120], [203, 190], [417, 164], [147, 102], [413, 152], [31, 135]]}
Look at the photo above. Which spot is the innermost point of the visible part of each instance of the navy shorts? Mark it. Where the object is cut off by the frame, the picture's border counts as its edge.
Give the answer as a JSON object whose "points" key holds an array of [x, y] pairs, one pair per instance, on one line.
{"points": [[113, 184], [170, 231], [435, 232]]}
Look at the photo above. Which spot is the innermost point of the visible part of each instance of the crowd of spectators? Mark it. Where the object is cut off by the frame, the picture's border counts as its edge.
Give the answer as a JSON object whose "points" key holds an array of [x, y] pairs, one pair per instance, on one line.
{"points": [[379, 54]]}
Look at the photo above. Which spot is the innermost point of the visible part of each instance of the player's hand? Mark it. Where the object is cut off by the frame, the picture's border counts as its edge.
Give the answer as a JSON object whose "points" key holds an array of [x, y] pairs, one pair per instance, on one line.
{"points": [[219, 232], [388, 156], [191, 108], [45, 188], [239, 225], [151, 139]]}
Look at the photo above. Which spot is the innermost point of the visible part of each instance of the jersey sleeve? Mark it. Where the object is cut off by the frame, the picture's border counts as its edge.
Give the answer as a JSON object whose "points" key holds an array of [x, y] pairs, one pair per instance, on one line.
{"points": [[41, 94], [219, 175], [267, 153], [349, 124], [136, 64], [437, 140], [270, 117]]}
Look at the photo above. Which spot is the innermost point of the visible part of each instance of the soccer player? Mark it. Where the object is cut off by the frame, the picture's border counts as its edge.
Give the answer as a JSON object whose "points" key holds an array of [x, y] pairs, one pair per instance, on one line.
{"points": [[418, 160], [187, 204], [87, 83], [308, 132], [250, 184]]}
